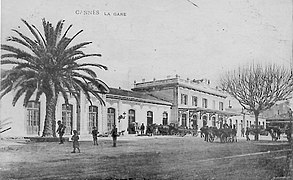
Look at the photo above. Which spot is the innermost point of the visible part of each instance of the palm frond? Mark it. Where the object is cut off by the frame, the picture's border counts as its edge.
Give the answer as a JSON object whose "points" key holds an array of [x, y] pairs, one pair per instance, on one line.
{"points": [[18, 94], [88, 71], [29, 93], [36, 35]]}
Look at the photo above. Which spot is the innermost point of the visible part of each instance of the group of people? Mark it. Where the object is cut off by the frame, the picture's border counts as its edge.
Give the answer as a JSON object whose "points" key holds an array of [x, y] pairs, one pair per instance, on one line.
{"points": [[75, 137]]}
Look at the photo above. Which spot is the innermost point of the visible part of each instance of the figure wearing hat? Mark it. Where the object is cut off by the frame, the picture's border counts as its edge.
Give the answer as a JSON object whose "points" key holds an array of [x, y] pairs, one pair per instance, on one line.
{"points": [[114, 135]]}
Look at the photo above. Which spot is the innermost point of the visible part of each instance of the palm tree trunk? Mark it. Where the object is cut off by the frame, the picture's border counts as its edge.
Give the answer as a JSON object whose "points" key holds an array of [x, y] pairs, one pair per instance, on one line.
{"points": [[50, 123]]}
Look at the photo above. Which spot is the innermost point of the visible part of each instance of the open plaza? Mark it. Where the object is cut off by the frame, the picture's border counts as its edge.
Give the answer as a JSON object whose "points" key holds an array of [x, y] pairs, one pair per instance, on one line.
{"points": [[145, 157]]}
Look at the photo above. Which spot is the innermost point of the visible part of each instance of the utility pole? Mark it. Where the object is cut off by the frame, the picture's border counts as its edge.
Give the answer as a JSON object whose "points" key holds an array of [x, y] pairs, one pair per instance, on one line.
{"points": [[291, 144]]}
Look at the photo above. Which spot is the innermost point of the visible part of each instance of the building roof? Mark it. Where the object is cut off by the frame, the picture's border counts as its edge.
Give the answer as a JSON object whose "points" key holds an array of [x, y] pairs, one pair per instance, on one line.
{"points": [[200, 87], [135, 96]]}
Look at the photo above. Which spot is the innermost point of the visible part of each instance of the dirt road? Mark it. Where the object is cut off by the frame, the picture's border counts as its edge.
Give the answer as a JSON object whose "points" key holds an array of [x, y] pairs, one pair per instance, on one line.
{"points": [[146, 158]]}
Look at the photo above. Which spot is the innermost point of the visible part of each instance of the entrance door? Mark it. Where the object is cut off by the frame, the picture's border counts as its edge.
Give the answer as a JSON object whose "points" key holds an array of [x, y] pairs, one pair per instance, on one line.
{"points": [[93, 118], [194, 122], [131, 121], [67, 117], [204, 121], [214, 121], [165, 118], [150, 119], [184, 119], [110, 119]]}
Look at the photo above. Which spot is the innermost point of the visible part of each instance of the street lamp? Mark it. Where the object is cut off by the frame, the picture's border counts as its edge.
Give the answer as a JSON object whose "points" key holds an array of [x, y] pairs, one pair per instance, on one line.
{"points": [[121, 116], [119, 119]]}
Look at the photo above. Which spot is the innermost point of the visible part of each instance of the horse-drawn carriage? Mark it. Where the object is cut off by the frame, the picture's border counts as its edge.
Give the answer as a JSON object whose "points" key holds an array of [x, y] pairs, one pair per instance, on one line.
{"points": [[171, 129], [226, 134]]}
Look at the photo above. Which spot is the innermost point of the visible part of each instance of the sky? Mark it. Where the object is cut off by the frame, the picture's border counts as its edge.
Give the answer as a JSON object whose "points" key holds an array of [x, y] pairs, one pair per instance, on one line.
{"points": [[159, 38]]}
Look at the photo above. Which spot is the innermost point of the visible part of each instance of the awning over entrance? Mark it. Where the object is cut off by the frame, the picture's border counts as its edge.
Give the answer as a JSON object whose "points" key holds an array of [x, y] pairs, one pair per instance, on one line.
{"points": [[212, 111], [278, 120]]}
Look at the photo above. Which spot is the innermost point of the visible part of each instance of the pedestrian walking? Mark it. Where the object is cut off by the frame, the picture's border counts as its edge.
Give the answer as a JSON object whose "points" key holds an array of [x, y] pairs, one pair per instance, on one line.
{"points": [[75, 139], [242, 132], [61, 131], [114, 135], [142, 128], [247, 134], [95, 135]]}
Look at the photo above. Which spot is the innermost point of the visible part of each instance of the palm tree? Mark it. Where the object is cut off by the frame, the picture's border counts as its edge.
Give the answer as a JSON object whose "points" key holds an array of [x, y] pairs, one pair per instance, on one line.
{"points": [[47, 65]]}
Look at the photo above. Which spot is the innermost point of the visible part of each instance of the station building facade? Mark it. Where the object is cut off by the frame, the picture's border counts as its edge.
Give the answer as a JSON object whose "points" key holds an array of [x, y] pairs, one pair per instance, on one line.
{"points": [[183, 102], [194, 103], [123, 108]]}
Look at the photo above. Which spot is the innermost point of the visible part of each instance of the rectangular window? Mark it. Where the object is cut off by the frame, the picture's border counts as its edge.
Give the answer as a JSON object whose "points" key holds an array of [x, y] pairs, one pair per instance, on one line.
{"points": [[194, 101], [204, 103], [184, 99], [67, 117], [33, 117], [221, 106], [214, 104]]}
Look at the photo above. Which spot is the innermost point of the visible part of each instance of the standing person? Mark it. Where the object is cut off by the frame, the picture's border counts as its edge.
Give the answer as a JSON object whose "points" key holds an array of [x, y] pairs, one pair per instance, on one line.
{"points": [[242, 132], [247, 134], [75, 139], [206, 133], [114, 135], [142, 128], [278, 131], [61, 131], [95, 135]]}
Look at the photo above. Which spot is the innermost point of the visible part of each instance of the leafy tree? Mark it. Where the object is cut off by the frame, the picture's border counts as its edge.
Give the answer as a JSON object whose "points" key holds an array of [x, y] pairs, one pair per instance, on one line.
{"points": [[258, 87], [47, 64]]}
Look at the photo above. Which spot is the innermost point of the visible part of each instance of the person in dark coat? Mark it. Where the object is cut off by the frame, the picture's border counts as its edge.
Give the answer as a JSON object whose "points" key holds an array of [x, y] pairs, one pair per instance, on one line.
{"points": [[247, 134], [95, 135], [206, 133], [114, 135], [242, 132], [61, 131], [142, 128]]}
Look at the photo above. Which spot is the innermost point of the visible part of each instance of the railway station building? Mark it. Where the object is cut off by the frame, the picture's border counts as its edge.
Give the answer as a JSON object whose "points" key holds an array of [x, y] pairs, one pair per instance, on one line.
{"points": [[183, 102]]}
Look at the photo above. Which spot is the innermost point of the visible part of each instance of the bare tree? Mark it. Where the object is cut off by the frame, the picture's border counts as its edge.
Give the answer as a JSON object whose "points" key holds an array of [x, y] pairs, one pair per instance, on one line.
{"points": [[258, 87]]}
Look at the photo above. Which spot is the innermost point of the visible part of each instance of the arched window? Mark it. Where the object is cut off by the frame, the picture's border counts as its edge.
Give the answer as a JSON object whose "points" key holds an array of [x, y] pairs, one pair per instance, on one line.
{"points": [[33, 118], [194, 122], [111, 118], [131, 122], [221, 121], [93, 118], [165, 118], [150, 118], [214, 121], [67, 117]]}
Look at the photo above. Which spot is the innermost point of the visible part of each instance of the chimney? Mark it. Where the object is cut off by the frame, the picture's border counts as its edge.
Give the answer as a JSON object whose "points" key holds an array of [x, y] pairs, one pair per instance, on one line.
{"points": [[143, 80], [154, 79]]}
